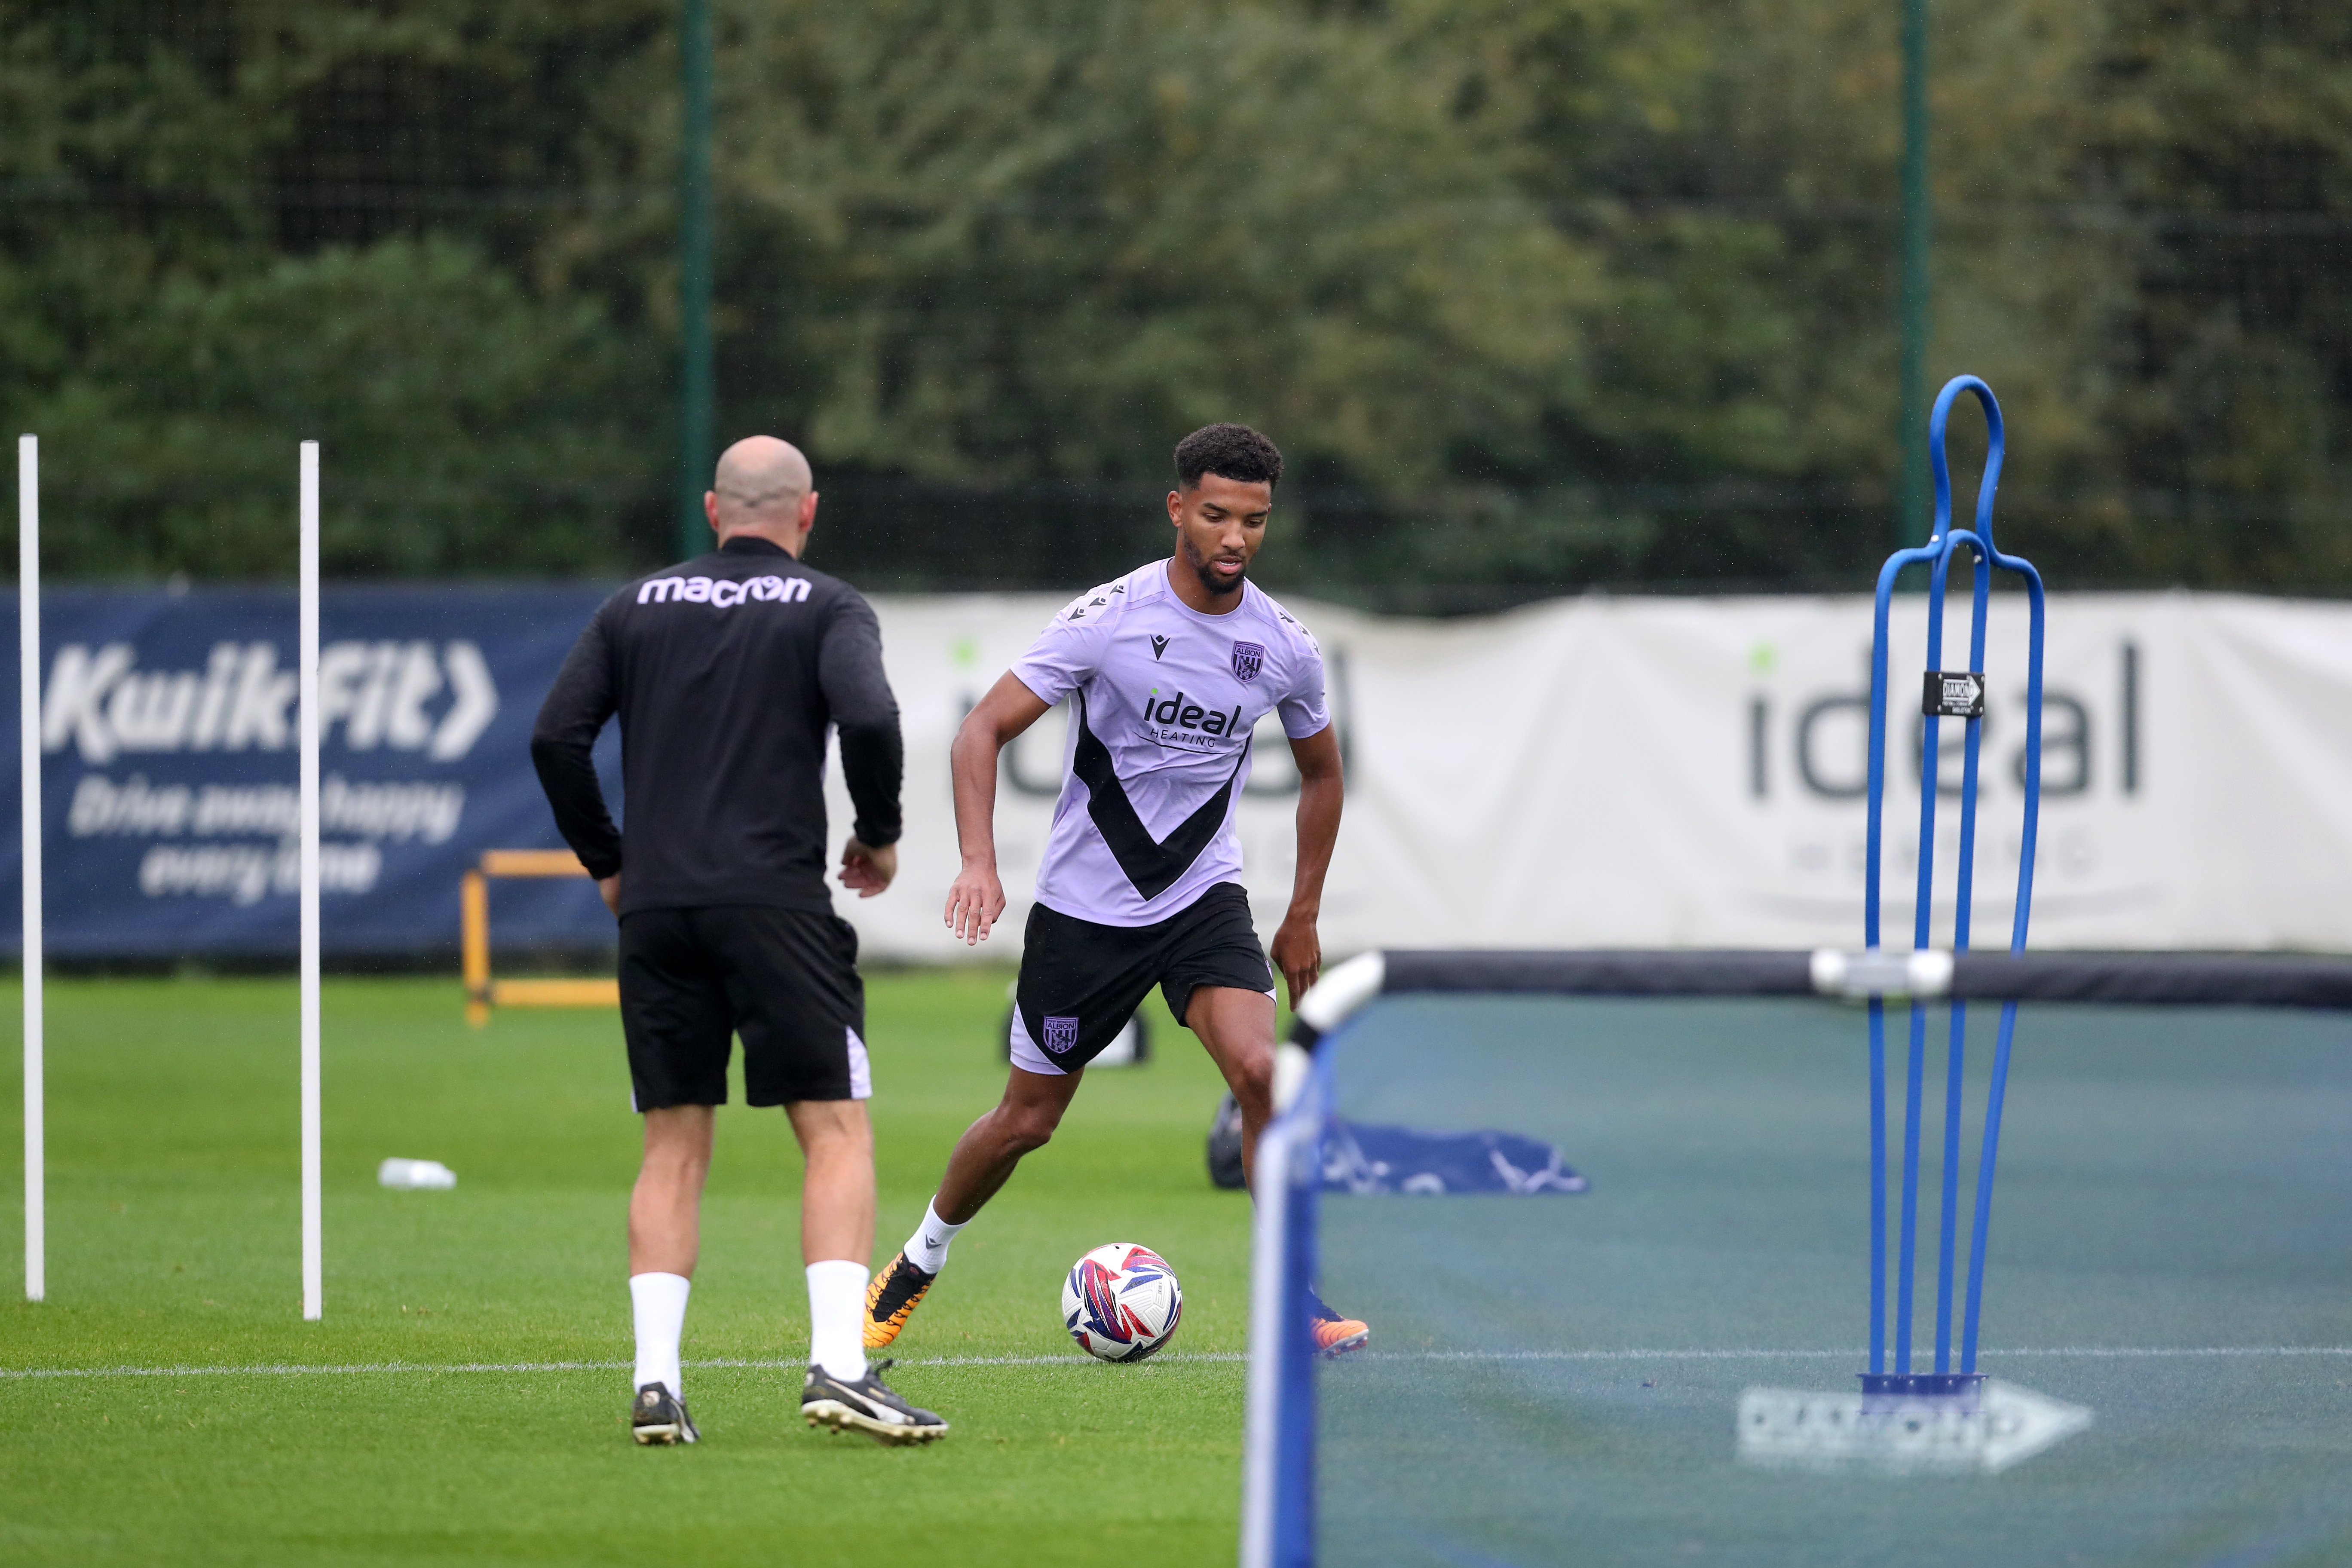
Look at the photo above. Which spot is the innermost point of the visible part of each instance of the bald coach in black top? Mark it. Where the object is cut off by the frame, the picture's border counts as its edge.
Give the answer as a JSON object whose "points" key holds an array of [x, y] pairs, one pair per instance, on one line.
{"points": [[728, 672]]}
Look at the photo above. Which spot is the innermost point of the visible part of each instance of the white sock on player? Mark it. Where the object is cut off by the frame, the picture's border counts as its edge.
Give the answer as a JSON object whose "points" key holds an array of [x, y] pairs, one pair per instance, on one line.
{"points": [[926, 1249], [838, 1318], [659, 1300]]}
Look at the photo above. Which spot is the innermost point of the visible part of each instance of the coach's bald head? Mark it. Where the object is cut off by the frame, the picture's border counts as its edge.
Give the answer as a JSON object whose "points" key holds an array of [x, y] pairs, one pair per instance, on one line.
{"points": [[763, 489]]}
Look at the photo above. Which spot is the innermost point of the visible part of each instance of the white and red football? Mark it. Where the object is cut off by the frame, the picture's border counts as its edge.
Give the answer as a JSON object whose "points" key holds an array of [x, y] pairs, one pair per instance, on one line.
{"points": [[1121, 1302]]}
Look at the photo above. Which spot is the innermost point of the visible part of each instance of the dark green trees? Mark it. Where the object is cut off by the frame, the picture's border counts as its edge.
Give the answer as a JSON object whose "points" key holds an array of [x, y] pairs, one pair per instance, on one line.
{"points": [[1535, 294]]}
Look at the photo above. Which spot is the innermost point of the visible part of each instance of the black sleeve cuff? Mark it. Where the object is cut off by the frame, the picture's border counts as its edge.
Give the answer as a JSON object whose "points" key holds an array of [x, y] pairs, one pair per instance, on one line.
{"points": [[873, 765]]}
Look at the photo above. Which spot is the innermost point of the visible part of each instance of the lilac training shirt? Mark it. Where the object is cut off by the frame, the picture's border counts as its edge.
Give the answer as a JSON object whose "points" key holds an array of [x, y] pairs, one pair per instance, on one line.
{"points": [[1163, 699]]}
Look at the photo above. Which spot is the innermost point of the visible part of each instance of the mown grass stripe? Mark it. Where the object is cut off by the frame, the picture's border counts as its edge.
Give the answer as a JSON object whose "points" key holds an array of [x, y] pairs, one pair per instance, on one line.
{"points": [[285, 1369], [288, 1369]]}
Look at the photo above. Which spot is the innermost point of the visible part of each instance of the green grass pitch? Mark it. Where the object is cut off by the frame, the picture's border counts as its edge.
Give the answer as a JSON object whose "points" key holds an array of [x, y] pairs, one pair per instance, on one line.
{"points": [[174, 1242]]}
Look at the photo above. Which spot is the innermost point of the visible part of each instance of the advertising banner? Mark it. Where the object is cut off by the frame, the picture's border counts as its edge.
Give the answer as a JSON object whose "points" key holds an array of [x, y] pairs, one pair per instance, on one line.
{"points": [[1659, 772], [168, 729], [1590, 772]]}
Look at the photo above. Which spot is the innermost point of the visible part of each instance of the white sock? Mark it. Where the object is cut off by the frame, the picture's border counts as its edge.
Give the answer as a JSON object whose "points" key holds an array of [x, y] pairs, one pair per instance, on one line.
{"points": [[660, 1303], [926, 1249], [838, 1318]]}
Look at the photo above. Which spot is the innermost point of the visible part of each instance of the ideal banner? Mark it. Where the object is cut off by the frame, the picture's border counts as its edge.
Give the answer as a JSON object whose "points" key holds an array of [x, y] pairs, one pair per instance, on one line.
{"points": [[1653, 771], [1586, 772]]}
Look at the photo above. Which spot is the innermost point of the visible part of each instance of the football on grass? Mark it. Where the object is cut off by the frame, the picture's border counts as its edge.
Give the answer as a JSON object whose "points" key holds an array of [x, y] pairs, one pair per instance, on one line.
{"points": [[1121, 1302]]}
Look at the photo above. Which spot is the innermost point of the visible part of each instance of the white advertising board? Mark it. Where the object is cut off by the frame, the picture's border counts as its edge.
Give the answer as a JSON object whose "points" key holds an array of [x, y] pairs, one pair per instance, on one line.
{"points": [[1658, 771]]}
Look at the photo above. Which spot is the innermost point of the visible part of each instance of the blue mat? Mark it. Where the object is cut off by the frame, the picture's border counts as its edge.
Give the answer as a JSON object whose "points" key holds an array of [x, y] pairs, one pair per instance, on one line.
{"points": [[1359, 1157]]}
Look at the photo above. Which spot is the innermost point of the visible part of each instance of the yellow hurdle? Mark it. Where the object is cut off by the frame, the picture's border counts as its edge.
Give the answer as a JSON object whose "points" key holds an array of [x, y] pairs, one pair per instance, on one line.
{"points": [[482, 992]]}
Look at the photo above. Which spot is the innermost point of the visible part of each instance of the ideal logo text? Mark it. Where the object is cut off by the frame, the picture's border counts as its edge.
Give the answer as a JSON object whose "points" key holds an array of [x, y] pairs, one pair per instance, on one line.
{"points": [[1179, 713]]}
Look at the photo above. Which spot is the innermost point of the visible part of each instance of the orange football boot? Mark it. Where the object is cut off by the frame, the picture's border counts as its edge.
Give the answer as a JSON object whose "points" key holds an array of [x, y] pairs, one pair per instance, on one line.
{"points": [[892, 1299], [1336, 1335]]}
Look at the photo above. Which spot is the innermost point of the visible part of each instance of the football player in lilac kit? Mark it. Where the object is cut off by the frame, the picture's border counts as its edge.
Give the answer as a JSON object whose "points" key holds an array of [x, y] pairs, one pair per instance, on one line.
{"points": [[1167, 672]]}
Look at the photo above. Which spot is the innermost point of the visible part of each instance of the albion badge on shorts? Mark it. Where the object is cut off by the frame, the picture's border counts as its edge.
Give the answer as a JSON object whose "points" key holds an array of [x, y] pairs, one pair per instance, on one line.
{"points": [[1061, 1035], [1249, 657]]}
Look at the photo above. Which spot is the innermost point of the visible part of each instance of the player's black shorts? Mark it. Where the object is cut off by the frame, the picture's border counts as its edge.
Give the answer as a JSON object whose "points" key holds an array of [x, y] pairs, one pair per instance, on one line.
{"points": [[1081, 981], [786, 980]]}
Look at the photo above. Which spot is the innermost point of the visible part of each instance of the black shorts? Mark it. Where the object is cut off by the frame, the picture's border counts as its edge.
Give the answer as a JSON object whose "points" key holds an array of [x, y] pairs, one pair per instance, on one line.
{"points": [[1080, 983], [786, 980]]}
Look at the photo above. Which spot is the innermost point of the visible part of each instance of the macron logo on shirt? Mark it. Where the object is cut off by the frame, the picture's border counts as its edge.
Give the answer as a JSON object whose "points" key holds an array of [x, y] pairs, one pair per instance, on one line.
{"points": [[722, 593]]}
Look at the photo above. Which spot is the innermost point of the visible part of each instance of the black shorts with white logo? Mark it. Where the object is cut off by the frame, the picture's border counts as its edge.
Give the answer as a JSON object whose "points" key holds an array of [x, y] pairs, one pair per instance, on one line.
{"points": [[785, 980], [1080, 983]]}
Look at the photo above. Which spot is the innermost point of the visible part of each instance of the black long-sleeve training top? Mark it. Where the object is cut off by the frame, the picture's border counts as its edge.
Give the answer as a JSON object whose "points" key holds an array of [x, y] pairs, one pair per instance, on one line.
{"points": [[725, 671]]}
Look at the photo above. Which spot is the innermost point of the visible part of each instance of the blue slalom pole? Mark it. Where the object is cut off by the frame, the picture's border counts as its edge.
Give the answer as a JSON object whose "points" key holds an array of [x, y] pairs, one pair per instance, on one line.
{"points": [[1937, 554], [1915, 1069], [1875, 805], [1998, 1095], [1875, 800], [1990, 1150], [1922, 927], [1947, 1228], [1877, 1185]]}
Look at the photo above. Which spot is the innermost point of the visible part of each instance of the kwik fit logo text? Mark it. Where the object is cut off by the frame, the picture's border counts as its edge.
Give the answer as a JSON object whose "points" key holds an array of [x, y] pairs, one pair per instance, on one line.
{"points": [[401, 696]]}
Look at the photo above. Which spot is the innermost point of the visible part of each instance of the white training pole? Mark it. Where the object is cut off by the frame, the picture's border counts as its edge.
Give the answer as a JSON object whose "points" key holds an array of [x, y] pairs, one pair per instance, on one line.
{"points": [[314, 1272], [28, 741]]}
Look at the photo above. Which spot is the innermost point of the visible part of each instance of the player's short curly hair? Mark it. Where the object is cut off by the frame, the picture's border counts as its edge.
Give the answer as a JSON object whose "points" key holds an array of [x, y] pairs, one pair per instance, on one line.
{"points": [[1229, 451]]}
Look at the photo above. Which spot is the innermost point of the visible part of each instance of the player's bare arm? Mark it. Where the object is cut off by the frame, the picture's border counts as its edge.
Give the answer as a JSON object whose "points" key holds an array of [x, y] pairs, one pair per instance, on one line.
{"points": [[976, 899], [1297, 950]]}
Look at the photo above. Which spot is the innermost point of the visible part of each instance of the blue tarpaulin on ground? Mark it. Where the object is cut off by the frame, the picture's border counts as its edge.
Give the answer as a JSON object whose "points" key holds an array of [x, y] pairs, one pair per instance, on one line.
{"points": [[169, 729], [1360, 1157]]}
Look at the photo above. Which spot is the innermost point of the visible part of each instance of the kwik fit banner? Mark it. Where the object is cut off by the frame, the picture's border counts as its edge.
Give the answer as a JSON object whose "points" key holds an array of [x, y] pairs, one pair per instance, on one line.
{"points": [[168, 734], [1590, 771]]}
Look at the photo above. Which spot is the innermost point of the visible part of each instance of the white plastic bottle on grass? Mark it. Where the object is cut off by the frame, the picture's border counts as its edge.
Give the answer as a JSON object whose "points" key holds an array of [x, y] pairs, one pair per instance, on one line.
{"points": [[414, 1174]]}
